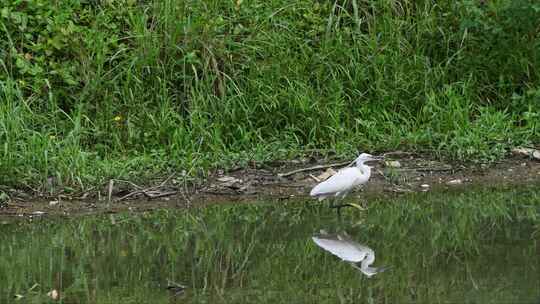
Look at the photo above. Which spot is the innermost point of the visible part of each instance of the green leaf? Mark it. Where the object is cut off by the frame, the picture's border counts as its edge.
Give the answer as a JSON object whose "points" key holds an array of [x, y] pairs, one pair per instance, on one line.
{"points": [[20, 63], [4, 12]]}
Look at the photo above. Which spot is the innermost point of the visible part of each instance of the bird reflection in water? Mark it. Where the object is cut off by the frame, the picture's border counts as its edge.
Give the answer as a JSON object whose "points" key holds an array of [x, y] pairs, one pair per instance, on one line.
{"points": [[342, 246]]}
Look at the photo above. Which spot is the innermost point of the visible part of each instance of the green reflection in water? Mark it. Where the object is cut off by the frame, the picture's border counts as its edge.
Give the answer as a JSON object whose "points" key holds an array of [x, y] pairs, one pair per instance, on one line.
{"points": [[476, 247]]}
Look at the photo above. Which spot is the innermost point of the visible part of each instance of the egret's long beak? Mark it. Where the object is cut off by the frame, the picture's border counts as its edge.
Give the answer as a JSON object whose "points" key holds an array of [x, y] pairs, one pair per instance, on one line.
{"points": [[376, 158], [384, 268]]}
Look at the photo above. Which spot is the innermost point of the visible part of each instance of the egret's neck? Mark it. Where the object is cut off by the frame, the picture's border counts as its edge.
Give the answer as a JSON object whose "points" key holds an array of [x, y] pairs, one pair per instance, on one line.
{"points": [[364, 168], [368, 260], [369, 271]]}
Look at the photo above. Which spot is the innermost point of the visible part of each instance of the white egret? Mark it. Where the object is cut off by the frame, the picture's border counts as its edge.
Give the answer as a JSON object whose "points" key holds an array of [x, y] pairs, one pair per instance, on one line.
{"points": [[342, 246], [345, 180]]}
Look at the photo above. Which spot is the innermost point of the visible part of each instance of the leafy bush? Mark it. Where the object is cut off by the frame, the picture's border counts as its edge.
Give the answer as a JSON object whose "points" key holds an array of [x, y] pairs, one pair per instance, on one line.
{"points": [[88, 85]]}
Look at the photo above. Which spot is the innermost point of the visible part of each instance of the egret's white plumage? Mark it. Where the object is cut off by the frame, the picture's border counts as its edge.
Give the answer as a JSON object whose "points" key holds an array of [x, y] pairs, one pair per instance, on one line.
{"points": [[345, 180], [350, 251], [347, 251]]}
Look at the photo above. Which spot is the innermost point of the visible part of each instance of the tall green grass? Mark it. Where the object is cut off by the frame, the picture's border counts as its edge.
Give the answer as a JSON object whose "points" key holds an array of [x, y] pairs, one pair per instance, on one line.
{"points": [[101, 89]]}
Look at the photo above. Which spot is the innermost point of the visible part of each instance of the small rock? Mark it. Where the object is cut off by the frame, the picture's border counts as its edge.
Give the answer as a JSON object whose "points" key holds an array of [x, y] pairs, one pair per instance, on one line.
{"points": [[424, 186], [38, 213], [522, 151], [53, 294], [454, 182], [53, 203], [393, 164], [527, 152]]}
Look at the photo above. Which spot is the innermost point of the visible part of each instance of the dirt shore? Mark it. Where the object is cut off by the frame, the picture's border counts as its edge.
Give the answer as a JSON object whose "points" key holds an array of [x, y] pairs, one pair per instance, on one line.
{"points": [[402, 173]]}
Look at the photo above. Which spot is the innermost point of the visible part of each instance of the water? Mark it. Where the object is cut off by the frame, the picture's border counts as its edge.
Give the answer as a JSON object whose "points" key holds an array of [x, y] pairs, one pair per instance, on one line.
{"points": [[476, 247]]}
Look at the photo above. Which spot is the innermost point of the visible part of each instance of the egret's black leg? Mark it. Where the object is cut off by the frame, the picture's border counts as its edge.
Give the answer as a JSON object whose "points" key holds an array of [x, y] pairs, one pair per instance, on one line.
{"points": [[341, 206], [338, 210], [337, 207], [347, 205]]}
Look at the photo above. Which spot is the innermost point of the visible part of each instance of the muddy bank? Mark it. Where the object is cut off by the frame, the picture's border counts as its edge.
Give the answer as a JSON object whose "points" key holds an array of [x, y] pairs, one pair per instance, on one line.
{"points": [[279, 181]]}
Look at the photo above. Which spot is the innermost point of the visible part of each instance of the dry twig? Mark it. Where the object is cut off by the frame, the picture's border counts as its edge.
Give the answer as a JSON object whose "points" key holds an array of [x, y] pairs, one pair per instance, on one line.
{"points": [[111, 186], [150, 192], [314, 168]]}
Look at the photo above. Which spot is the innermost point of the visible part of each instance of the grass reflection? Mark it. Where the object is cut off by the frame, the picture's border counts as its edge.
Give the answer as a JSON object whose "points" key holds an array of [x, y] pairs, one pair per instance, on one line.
{"points": [[479, 246]]}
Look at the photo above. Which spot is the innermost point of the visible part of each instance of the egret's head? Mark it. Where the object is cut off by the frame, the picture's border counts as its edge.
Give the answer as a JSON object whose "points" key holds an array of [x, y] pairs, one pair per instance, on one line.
{"points": [[371, 271], [364, 157]]}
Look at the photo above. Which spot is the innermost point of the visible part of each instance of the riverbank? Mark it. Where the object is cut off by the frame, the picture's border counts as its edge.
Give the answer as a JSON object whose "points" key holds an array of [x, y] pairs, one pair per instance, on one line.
{"points": [[406, 173]]}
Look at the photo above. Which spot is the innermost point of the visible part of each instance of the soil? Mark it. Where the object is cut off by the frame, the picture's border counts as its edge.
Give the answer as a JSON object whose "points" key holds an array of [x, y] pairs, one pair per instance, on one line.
{"points": [[405, 173]]}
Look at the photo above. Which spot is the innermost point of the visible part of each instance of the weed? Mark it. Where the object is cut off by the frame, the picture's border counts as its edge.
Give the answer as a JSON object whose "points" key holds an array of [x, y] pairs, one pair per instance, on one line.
{"points": [[93, 90]]}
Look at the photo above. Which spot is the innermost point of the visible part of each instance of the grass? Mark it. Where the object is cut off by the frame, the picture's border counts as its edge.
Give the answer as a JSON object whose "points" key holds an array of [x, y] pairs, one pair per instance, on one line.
{"points": [[478, 246], [99, 90]]}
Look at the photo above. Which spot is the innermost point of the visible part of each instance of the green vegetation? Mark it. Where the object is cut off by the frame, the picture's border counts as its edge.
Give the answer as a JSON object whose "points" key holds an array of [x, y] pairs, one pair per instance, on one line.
{"points": [[91, 90], [477, 247]]}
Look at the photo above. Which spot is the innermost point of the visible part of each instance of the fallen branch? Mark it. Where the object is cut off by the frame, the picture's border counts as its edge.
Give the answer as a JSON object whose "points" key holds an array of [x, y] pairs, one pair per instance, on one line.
{"points": [[128, 195], [314, 168], [157, 194], [166, 180], [427, 169], [150, 192]]}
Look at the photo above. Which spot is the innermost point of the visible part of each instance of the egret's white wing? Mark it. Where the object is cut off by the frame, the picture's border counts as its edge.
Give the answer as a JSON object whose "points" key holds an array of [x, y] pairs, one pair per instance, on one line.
{"points": [[342, 249], [344, 180]]}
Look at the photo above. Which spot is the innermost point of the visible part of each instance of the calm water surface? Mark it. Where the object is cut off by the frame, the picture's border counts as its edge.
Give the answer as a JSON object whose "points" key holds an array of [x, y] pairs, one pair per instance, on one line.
{"points": [[481, 246]]}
